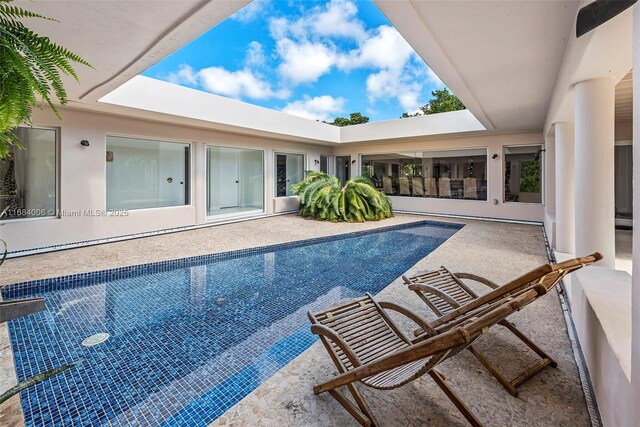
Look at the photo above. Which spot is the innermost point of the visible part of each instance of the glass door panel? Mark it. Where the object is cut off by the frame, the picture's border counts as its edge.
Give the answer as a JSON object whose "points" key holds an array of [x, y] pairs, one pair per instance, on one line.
{"points": [[343, 169], [235, 181], [289, 169]]}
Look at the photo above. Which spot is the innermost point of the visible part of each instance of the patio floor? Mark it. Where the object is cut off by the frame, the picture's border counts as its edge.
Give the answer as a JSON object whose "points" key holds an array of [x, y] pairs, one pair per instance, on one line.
{"points": [[498, 251]]}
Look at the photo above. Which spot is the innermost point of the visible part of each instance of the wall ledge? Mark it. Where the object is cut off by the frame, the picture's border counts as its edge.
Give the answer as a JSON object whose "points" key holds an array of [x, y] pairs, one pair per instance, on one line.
{"points": [[608, 292]]}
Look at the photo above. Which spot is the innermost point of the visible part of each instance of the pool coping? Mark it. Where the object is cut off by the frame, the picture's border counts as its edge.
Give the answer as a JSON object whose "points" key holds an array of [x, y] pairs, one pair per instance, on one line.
{"points": [[19, 289]]}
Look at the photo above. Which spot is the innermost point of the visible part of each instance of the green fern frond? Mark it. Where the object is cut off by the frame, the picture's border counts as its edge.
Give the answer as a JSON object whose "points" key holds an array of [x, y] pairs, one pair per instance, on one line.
{"points": [[31, 67]]}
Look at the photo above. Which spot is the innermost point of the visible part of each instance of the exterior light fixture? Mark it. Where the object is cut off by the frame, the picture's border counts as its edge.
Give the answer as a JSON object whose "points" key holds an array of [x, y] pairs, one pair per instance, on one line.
{"points": [[495, 156], [84, 143], [316, 161], [353, 162]]}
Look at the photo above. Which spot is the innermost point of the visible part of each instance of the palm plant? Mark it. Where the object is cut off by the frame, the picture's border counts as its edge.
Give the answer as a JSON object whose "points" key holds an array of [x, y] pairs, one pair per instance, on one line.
{"points": [[30, 67], [323, 198]]}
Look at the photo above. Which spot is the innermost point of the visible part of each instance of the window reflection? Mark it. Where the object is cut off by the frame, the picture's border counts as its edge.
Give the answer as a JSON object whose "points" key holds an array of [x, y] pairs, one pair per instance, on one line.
{"points": [[451, 174], [523, 174]]}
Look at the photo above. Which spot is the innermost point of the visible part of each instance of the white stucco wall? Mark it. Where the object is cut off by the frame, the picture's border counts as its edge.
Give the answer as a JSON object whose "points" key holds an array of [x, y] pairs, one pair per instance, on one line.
{"points": [[82, 178], [601, 310]]}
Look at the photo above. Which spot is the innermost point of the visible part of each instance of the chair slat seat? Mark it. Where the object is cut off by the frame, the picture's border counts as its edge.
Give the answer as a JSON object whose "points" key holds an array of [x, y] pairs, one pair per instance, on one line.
{"points": [[397, 377]]}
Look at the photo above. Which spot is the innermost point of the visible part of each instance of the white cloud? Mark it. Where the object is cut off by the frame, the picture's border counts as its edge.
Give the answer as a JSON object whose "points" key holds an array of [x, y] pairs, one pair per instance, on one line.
{"points": [[255, 55], [250, 11], [304, 62], [393, 84], [317, 108], [234, 84], [306, 45], [338, 20], [185, 75], [387, 49]]}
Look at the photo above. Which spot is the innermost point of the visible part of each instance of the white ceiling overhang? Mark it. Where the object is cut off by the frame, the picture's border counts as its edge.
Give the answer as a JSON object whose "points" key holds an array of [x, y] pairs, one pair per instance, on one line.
{"points": [[501, 58]]}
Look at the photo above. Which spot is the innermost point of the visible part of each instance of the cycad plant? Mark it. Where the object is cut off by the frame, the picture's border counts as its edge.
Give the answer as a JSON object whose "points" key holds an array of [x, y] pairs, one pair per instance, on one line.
{"points": [[30, 70], [323, 198]]}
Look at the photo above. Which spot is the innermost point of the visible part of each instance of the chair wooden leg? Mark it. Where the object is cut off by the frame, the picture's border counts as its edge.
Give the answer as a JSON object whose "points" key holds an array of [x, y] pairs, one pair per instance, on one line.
{"points": [[493, 371], [464, 410], [525, 339], [511, 385], [362, 404], [362, 413]]}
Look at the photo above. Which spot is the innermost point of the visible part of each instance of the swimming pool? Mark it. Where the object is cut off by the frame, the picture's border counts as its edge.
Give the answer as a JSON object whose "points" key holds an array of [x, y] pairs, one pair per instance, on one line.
{"points": [[190, 338]]}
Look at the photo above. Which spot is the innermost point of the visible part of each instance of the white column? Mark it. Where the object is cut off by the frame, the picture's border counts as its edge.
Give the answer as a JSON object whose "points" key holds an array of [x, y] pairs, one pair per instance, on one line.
{"points": [[549, 188], [565, 188], [594, 186], [635, 277]]}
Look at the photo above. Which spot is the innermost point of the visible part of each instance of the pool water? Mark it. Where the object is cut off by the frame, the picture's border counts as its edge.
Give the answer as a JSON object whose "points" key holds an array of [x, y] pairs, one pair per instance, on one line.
{"points": [[190, 339]]}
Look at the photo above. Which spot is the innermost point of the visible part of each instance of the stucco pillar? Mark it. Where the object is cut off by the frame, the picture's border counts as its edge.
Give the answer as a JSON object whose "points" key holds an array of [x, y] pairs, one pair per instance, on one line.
{"points": [[565, 188], [549, 189], [550, 175], [635, 277], [594, 169]]}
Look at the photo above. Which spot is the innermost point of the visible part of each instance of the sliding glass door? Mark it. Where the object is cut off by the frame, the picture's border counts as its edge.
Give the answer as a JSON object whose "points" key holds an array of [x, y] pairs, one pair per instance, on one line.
{"points": [[235, 181]]}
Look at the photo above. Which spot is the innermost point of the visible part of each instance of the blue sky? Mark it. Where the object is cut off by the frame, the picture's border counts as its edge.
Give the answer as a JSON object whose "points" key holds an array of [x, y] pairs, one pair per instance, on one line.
{"points": [[314, 59]]}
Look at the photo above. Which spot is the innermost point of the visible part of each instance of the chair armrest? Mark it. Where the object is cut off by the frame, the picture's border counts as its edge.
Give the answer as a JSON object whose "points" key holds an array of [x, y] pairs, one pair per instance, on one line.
{"points": [[434, 291], [324, 331], [409, 314], [480, 279], [435, 346]]}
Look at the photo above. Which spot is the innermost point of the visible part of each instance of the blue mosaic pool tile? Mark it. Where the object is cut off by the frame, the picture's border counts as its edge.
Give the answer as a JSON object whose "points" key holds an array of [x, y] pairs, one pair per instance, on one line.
{"points": [[192, 337]]}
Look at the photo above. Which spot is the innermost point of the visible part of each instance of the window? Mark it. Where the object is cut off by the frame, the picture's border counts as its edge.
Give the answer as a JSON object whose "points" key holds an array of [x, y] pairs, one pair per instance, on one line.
{"points": [[28, 176], [235, 181], [450, 174], [623, 170], [324, 164], [523, 174], [289, 169], [144, 173]]}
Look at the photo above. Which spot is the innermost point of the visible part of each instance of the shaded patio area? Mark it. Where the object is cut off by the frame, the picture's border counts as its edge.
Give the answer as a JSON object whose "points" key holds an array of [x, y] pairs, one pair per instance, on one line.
{"points": [[498, 251]]}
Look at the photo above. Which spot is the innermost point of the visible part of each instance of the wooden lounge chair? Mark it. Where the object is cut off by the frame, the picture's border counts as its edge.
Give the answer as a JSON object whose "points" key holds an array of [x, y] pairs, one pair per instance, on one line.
{"points": [[387, 185], [444, 187], [366, 346], [470, 188], [454, 302], [416, 186], [405, 189], [430, 187]]}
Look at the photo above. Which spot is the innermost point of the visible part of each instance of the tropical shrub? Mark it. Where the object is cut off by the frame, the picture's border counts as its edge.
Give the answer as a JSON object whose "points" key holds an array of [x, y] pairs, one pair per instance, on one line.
{"points": [[323, 198]]}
